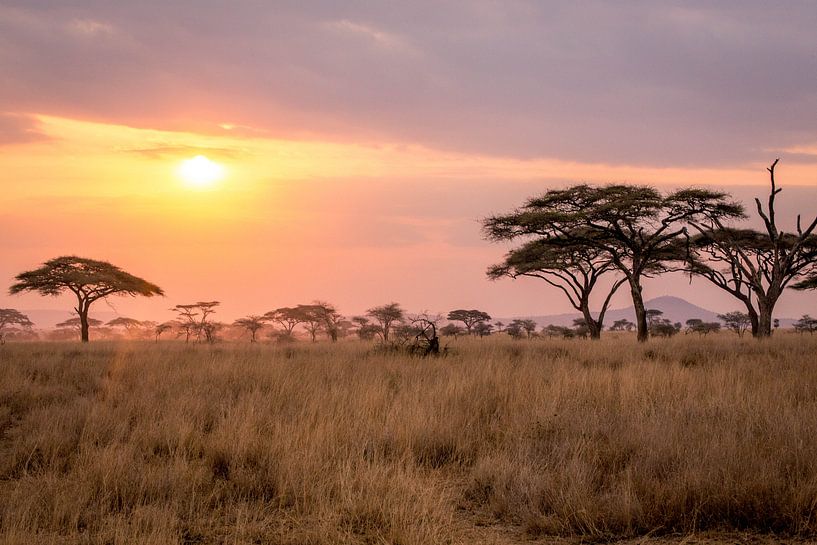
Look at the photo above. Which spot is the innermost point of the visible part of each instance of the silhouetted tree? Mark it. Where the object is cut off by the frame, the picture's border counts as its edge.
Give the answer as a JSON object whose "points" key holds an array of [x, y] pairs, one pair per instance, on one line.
{"points": [[385, 316], [312, 318], [558, 331], [754, 266], [634, 226], [622, 325], [521, 327], [330, 318], [251, 323], [287, 317], [568, 263], [77, 324], [12, 317], [194, 319], [806, 324], [366, 331], [452, 330], [736, 321], [129, 324], [483, 329], [89, 280], [469, 318]]}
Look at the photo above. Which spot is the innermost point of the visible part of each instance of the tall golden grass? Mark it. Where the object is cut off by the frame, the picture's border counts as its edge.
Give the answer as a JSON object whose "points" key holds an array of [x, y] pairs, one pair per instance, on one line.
{"points": [[168, 443]]}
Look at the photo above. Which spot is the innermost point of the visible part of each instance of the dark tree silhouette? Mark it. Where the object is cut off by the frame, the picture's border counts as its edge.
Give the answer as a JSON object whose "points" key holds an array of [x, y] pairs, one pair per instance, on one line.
{"points": [[366, 331], [76, 323], [568, 263], [736, 321], [331, 319], [469, 318], [806, 324], [483, 329], [252, 323], [12, 317], [88, 279], [386, 315], [313, 319], [128, 324], [635, 226], [286, 317], [622, 325], [452, 330], [193, 319], [754, 266]]}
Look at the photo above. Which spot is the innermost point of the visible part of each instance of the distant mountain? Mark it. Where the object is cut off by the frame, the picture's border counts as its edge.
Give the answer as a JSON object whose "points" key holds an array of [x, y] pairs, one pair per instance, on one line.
{"points": [[48, 318], [675, 309]]}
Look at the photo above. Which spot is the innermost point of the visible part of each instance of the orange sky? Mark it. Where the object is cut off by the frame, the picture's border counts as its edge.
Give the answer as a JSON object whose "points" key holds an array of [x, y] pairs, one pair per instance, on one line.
{"points": [[292, 220], [362, 144]]}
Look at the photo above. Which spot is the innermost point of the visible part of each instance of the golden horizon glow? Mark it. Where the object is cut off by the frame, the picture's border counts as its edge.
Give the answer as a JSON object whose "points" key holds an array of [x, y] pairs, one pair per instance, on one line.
{"points": [[200, 172]]}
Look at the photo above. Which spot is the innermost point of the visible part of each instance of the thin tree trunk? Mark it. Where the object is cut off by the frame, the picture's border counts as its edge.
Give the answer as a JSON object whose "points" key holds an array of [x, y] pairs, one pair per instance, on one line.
{"points": [[83, 325]]}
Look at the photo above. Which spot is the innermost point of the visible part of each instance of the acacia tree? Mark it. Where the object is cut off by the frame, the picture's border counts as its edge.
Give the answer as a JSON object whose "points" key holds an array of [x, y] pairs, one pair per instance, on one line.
{"points": [[286, 317], [634, 226], [129, 324], [566, 262], [469, 318], [754, 266], [76, 323], [312, 318], [252, 323], [88, 279], [330, 318], [11, 317], [193, 319], [386, 315], [736, 321]]}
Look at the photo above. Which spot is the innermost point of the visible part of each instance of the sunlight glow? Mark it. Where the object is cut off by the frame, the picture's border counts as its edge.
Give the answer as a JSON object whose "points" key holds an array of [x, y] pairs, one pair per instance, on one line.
{"points": [[200, 172]]}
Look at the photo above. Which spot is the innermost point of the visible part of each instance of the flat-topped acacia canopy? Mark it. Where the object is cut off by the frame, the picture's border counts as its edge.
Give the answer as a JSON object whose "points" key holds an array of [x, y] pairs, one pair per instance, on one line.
{"points": [[88, 279]]}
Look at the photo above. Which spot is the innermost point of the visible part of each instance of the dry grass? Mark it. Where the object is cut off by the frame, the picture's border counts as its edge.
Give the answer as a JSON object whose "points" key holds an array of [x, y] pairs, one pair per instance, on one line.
{"points": [[503, 440]]}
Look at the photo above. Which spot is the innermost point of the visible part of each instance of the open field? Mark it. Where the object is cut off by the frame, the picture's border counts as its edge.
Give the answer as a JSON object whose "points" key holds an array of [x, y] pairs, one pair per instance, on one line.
{"points": [[501, 441]]}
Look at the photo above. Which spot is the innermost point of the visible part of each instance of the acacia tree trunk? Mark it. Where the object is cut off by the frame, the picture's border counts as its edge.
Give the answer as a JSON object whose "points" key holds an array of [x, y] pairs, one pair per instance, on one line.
{"points": [[83, 326], [765, 307], [643, 332], [593, 326]]}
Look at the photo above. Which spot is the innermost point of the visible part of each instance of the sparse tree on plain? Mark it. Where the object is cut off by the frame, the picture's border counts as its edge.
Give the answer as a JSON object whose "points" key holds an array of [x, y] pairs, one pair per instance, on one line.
{"points": [[253, 324], [313, 318], [332, 319], [128, 324], [622, 325], [482, 329], [736, 321], [452, 330], [77, 324], [806, 324], [287, 317], [12, 317], [386, 316], [89, 280], [754, 266], [469, 318]]}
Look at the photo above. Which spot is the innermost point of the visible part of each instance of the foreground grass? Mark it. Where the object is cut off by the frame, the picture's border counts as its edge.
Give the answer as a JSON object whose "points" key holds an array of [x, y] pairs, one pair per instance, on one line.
{"points": [[167, 443]]}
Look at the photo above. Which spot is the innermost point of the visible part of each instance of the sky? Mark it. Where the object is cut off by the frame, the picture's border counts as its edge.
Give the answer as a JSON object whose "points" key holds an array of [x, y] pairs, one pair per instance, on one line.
{"points": [[362, 142]]}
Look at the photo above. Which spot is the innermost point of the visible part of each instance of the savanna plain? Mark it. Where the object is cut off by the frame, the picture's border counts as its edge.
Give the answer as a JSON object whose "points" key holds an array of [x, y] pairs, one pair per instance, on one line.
{"points": [[688, 439]]}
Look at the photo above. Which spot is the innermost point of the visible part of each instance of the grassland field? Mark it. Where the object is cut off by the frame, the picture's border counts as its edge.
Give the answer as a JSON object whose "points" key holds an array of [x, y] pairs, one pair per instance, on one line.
{"points": [[686, 440]]}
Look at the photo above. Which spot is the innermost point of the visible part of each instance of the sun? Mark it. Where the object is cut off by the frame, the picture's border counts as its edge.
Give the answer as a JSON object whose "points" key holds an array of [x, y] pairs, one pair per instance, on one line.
{"points": [[200, 172]]}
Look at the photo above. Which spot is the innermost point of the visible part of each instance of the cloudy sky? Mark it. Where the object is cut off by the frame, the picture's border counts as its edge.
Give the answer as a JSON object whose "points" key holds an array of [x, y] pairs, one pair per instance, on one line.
{"points": [[362, 141]]}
